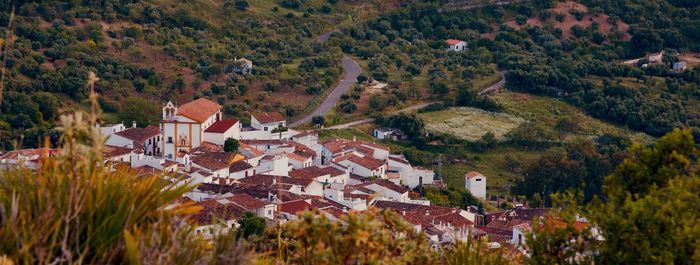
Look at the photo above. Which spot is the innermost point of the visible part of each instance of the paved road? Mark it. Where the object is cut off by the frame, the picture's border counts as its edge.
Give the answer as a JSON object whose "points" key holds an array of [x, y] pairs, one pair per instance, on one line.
{"points": [[368, 120], [495, 87], [326, 36], [351, 70]]}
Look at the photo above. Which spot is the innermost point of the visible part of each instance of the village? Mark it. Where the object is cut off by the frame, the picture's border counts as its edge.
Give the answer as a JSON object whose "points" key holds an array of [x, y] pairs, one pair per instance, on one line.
{"points": [[275, 173]]}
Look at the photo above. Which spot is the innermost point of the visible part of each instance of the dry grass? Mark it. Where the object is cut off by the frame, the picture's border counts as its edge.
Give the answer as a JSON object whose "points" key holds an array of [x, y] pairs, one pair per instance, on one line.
{"points": [[470, 123]]}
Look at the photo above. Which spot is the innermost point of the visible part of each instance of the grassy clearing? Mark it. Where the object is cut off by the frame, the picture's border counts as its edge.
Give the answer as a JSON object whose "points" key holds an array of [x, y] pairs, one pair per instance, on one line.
{"points": [[548, 111], [494, 165], [470, 123]]}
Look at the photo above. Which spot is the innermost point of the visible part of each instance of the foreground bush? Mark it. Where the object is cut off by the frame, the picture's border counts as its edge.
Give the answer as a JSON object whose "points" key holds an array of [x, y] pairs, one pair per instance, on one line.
{"points": [[370, 237]]}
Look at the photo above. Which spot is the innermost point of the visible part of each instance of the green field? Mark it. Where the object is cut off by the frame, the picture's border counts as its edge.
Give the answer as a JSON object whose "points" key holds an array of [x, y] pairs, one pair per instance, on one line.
{"points": [[547, 111]]}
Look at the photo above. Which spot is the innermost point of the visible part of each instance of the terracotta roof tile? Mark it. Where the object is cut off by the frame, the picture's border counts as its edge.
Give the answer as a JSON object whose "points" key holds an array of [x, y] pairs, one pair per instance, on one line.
{"points": [[267, 117], [221, 126], [473, 174], [239, 166], [139, 135], [314, 172], [246, 201], [453, 41], [112, 151], [366, 161], [293, 207], [199, 110], [210, 163]]}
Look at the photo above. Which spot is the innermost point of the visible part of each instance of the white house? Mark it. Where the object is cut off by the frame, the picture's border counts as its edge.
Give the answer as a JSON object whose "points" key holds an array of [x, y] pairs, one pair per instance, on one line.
{"points": [[388, 133], [456, 45], [267, 121], [336, 192], [383, 188], [240, 169], [277, 165], [146, 139], [364, 166], [297, 161], [421, 176], [475, 183], [215, 217], [109, 129], [219, 169], [184, 126], [221, 130], [258, 207], [321, 174]]}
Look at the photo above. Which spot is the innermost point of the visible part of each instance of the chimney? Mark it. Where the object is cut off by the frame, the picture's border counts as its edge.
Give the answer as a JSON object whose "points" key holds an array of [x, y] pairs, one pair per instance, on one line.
{"points": [[403, 212], [133, 124], [427, 213], [354, 138], [345, 209]]}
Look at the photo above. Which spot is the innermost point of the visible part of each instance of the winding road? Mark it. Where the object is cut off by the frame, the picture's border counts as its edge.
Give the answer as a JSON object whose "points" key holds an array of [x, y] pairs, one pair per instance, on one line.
{"points": [[351, 70], [488, 90], [495, 87]]}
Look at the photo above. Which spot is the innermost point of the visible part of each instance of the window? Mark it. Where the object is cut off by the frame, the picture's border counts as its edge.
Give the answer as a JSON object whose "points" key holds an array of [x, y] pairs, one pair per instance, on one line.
{"points": [[170, 139], [478, 179], [269, 212], [265, 128]]}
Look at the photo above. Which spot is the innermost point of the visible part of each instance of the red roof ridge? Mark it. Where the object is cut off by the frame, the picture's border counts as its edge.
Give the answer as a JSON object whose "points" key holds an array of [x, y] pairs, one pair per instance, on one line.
{"points": [[221, 126], [199, 110]]}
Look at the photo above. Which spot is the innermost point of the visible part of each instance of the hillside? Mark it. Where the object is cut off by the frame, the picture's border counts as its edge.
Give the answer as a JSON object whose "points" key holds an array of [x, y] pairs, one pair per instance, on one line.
{"points": [[162, 50]]}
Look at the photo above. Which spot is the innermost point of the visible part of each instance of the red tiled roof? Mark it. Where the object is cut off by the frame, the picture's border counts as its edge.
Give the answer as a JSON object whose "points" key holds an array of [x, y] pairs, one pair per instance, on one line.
{"points": [[208, 147], [239, 166], [296, 157], [263, 142], [473, 174], [210, 163], [250, 149], [366, 161], [314, 172], [338, 144], [246, 201], [221, 126], [199, 110], [335, 211], [267, 117], [399, 160], [306, 133], [453, 41], [293, 207], [140, 135], [387, 184], [300, 148], [112, 151], [213, 212]]}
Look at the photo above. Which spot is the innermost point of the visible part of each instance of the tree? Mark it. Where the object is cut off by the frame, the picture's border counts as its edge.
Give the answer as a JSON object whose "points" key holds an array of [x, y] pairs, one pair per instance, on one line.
{"points": [[251, 225], [318, 120], [649, 204], [140, 110], [241, 4], [231, 145], [48, 105]]}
